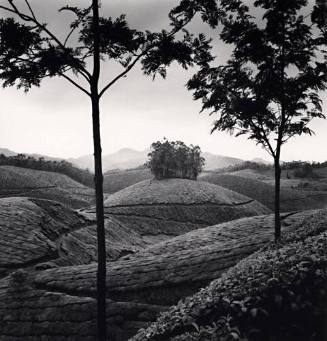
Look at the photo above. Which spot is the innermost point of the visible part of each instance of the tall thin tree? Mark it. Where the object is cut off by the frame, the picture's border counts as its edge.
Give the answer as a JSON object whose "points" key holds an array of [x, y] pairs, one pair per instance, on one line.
{"points": [[30, 52], [269, 88]]}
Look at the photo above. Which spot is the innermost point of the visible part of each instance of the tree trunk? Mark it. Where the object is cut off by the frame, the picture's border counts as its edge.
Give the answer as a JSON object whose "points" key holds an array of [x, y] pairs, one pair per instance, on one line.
{"points": [[277, 199], [98, 179]]}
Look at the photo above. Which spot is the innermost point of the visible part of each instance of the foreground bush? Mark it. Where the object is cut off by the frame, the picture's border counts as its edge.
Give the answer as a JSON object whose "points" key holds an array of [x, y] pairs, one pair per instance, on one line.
{"points": [[276, 294]]}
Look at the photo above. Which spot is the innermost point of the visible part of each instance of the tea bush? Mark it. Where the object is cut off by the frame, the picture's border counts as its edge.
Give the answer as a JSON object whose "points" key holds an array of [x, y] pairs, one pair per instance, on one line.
{"points": [[278, 293]]}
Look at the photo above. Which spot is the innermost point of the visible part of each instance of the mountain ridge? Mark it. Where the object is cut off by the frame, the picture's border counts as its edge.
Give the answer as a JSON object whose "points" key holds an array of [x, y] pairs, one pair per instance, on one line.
{"points": [[128, 158]]}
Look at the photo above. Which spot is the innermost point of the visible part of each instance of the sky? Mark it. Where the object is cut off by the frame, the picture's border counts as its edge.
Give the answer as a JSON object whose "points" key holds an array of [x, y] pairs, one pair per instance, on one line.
{"points": [[55, 119]]}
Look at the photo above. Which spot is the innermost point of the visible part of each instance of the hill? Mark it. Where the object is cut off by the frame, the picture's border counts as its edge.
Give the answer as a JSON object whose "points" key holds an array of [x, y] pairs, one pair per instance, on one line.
{"points": [[277, 293], [24, 182], [7, 152], [42, 233], [171, 207], [115, 180], [125, 158], [261, 161], [291, 199], [141, 285], [29, 229], [213, 161]]}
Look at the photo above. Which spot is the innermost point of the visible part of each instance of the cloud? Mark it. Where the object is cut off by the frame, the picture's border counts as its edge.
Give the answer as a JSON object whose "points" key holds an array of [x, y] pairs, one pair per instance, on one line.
{"points": [[55, 119]]}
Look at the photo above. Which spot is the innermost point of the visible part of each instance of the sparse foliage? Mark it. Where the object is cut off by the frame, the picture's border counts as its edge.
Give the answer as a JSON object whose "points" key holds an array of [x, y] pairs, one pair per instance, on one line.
{"points": [[175, 160]]}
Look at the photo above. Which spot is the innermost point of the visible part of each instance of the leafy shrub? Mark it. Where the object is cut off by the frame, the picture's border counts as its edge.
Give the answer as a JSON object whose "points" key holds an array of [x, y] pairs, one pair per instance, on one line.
{"points": [[278, 293], [175, 160]]}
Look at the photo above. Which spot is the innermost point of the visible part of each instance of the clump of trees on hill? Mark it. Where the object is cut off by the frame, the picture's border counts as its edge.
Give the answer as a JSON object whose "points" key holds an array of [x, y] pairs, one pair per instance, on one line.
{"points": [[174, 159], [83, 176], [246, 165], [301, 169]]}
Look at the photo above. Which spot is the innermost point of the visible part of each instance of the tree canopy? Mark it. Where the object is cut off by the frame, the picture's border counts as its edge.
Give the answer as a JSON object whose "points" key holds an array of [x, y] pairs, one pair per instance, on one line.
{"points": [[269, 89], [30, 52], [174, 159]]}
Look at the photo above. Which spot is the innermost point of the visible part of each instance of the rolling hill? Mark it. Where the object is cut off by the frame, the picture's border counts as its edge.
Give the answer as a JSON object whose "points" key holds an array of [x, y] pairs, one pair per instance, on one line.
{"points": [[141, 285], [291, 199], [41, 233], [166, 208], [138, 216], [276, 293], [24, 182], [115, 180]]}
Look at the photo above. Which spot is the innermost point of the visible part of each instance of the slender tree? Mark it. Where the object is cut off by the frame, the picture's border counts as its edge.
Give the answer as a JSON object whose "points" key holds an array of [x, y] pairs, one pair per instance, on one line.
{"points": [[30, 52], [269, 88]]}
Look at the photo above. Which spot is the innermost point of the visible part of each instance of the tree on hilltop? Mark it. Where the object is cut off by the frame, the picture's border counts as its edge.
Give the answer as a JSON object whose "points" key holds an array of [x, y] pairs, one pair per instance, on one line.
{"points": [[175, 160], [30, 52], [269, 88]]}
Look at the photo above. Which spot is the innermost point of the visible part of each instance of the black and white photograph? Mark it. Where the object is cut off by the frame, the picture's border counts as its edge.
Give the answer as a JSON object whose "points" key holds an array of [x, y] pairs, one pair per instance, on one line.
{"points": [[163, 170]]}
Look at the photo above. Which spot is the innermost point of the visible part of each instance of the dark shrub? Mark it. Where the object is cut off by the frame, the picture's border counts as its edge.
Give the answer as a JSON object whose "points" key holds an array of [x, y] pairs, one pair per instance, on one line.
{"points": [[175, 160]]}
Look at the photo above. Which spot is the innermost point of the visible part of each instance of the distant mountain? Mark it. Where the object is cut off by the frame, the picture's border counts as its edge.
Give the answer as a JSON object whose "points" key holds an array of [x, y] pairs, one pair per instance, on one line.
{"points": [[214, 161], [128, 158], [260, 160], [7, 152], [125, 158]]}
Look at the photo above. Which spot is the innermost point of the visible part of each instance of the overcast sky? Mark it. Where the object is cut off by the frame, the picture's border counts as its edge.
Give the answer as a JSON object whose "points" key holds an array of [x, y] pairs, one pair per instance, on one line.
{"points": [[55, 119]]}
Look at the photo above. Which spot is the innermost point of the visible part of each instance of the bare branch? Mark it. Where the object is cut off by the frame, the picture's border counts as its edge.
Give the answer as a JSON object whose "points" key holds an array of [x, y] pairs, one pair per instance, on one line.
{"points": [[75, 84], [69, 35], [30, 8], [122, 74], [77, 24], [7, 9], [264, 139]]}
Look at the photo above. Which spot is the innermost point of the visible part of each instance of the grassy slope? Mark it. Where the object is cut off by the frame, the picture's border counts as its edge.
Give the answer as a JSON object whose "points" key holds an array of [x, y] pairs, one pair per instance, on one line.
{"points": [[291, 199], [177, 191], [16, 181], [143, 284], [30, 228], [44, 233], [278, 293], [175, 206], [287, 177], [116, 180]]}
